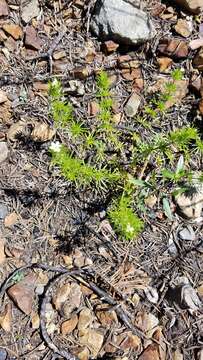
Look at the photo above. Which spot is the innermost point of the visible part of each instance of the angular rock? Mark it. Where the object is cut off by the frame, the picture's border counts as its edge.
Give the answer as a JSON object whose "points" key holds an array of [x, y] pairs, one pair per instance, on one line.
{"points": [[84, 354], [61, 296], [10, 219], [22, 293], [93, 340], [189, 298], [42, 132], [164, 63], [14, 30], [193, 6], [190, 205], [85, 319], [3, 211], [196, 43], [93, 108], [175, 48], [177, 355], [127, 341], [122, 22], [187, 234], [3, 8], [151, 294], [3, 151], [132, 105], [3, 354], [147, 322], [183, 28], [30, 9], [151, 353], [132, 74], [106, 318], [69, 325], [57, 55], [198, 60], [31, 38], [35, 319], [73, 300], [110, 46]]}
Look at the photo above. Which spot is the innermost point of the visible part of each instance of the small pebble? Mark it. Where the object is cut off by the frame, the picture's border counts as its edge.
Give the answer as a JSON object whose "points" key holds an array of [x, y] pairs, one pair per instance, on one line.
{"points": [[3, 211], [187, 234], [3, 354]]}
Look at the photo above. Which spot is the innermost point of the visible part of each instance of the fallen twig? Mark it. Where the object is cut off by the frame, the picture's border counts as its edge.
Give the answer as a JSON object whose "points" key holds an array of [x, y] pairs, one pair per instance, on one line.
{"points": [[49, 53]]}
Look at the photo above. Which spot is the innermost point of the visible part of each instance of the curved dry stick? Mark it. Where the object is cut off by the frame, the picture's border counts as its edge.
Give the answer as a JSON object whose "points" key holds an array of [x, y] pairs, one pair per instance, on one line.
{"points": [[46, 299], [122, 315]]}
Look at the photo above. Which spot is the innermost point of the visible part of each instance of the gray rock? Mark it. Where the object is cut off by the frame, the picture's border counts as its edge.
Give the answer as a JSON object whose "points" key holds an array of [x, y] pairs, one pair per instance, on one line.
{"points": [[132, 105], [187, 234], [30, 9], [3, 151], [3, 211], [3, 354], [121, 21]]}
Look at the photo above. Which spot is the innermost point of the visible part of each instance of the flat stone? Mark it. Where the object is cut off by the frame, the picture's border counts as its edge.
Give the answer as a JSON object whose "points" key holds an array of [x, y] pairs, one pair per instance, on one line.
{"points": [[187, 234], [22, 293], [164, 63], [3, 354], [69, 325], [193, 6], [93, 340], [110, 46], [14, 30], [57, 55], [122, 22], [30, 9], [183, 28], [173, 47], [31, 38], [132, 105], [3, 8]]}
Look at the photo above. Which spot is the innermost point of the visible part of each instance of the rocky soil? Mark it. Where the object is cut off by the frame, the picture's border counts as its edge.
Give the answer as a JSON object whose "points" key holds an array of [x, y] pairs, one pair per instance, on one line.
{"points": [[71, 288]]}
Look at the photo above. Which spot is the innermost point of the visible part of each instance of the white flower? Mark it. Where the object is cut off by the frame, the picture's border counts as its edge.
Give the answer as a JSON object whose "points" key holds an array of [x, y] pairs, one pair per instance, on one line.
{"points": [[55, 82], [55, 146], [129, 229]]}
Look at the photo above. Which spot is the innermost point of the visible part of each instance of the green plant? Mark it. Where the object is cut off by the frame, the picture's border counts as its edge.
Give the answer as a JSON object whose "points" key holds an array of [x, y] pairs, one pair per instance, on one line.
{"points": [[61, 111], [80, 173], [124, 219], [157, 105], [152, 164]]}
